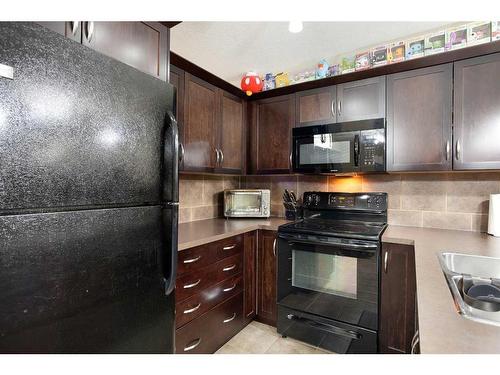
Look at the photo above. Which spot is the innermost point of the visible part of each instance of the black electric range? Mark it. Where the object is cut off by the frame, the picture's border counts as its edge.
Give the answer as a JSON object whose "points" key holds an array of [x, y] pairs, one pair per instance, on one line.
{"points": [[328, 271]]}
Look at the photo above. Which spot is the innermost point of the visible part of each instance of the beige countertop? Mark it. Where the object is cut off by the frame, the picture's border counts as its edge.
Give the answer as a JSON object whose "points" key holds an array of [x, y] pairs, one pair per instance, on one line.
{"points": [[442, 329], [197, 233]]}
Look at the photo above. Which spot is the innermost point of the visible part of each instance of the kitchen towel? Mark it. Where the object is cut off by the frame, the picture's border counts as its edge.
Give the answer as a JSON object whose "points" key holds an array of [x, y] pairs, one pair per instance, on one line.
{"points": [[494, 215]]}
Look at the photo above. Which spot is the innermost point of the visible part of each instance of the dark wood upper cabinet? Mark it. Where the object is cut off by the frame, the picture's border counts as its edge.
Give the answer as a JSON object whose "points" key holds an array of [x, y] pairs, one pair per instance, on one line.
{"points": [[250, 275], [200, 125], [397, 299], [266, 306], [361, 100], [143, 45], [231, 131], [271, 122], [477, 113], [316, 107], [71, 30], [419, 110]]}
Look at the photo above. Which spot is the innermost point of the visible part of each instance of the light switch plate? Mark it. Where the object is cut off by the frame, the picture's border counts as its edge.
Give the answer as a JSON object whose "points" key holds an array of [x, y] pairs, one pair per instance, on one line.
{"points": [[6, 71]]}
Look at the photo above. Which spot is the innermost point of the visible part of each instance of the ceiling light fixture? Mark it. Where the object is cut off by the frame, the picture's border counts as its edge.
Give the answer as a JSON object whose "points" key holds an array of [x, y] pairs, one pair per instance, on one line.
{"points": [[295, 26]]}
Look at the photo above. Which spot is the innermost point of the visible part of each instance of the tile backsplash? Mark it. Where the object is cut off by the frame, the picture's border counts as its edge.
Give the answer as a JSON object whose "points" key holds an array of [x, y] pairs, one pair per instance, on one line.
{"points": [[200, 196], [435, 200]]}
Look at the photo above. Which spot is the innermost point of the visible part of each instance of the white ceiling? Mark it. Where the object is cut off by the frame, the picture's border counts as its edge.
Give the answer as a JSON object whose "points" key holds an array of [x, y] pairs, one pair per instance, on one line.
{"points": [[229, 49]]}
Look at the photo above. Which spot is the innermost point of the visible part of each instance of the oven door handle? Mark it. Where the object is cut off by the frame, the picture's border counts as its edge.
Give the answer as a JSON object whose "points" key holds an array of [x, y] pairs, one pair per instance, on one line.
{"points": [[326, 327], [358, 247]]}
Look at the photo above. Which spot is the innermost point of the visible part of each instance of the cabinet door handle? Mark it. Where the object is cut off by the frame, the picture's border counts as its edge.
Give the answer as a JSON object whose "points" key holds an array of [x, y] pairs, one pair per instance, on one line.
{"points": [[333, 108], [192, 260], [448, 150], [221, 157], [229, 319], [229, 268], [339, 110], [89, 26], [274, 247], [181, 153], [192, 285], [217, 157], [415, 341], [192, 345], [192, 310], [74, 27], [230, 288], [457, 150], [229, 247], [290, 160], [386, 258]]}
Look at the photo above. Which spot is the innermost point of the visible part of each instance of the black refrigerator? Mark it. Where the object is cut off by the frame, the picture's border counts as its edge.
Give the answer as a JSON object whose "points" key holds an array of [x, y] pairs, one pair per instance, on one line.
{"points": [[88, 200]]}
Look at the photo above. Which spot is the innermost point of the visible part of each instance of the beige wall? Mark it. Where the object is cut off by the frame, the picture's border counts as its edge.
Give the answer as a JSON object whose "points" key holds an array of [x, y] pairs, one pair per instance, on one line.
{"points": [[435, 200]]}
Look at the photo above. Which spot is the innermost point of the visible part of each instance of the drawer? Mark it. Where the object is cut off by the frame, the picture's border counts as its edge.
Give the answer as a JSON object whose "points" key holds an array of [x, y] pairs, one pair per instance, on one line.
{"points": [[194, 282], [210, 331], [205, 300], [227, 247], [195, 258], [230, 266]]}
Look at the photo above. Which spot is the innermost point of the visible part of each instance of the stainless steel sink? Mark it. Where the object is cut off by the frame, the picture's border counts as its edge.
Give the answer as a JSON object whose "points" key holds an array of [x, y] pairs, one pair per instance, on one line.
{"points": [[461, 270]]}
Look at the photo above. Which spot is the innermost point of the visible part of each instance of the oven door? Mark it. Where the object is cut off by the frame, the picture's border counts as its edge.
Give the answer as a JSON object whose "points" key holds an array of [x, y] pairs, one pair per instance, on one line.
{"points": [[331, 277], [325, 151]]}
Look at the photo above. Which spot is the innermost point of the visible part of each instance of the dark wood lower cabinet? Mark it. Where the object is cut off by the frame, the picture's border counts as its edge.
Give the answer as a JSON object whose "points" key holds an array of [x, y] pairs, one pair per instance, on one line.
{"points": [[209, 294], [266, 288], [207, 333], [250, 275], [397, 299]]}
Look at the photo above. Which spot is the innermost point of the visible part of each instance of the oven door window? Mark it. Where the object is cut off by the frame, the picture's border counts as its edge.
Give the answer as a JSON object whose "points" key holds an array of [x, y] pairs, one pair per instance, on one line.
{"points": [[326, 273], [331, 151], [247, 202]]}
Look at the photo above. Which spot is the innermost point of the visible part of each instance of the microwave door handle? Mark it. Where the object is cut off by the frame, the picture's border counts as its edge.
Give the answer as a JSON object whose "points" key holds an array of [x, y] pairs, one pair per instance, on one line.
{"points": [[356, 150]]}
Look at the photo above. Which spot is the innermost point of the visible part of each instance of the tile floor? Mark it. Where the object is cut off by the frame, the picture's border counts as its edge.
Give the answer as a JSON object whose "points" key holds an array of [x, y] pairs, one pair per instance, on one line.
{"points": [[258, 338]]}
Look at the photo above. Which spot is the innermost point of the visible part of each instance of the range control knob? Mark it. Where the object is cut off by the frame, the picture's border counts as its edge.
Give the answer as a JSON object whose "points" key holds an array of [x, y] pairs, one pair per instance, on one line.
{"points": [[316, 199]]}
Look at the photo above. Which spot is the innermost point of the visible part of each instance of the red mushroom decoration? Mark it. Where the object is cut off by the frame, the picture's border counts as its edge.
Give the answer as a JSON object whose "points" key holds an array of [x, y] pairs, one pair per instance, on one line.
{"points": [[251, 83]]}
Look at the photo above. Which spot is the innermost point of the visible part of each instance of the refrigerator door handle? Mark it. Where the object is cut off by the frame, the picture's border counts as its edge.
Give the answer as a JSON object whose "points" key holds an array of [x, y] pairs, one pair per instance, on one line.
{"points": [[170, 181]]}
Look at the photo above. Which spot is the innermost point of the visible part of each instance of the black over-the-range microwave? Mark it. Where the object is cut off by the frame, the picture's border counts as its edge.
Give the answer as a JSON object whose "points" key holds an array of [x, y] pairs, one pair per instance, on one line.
{"points": [[347, 147]]}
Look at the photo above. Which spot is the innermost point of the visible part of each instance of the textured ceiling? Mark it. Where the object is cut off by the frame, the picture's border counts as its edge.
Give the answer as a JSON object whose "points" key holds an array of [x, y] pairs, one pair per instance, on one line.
{"points": [[229, 49]]}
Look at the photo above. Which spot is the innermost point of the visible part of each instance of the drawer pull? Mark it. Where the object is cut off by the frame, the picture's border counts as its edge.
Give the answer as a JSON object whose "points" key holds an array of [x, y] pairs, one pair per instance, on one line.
{"points": [[192, 345], [229, 319], [192, 260], [192, 285], [230, 268], [189, 311], [230, 288], [229, 247]]}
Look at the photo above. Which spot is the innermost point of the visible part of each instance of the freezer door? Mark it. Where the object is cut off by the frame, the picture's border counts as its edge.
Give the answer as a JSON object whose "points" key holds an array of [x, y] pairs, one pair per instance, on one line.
{"points": [[77, 128], [85, 282]]}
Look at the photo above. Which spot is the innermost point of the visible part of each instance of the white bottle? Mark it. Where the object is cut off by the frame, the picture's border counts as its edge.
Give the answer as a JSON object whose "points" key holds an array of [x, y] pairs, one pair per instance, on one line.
{"points": [[494, 215]]}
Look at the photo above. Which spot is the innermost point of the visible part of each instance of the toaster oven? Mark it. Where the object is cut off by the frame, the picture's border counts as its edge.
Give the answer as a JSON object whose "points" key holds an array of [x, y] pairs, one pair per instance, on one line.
{"points": [[247, 203]]}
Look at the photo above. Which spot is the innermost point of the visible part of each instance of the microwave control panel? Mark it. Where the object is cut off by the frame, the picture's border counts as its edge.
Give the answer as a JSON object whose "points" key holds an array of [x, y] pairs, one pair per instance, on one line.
{"points": [[372, 150]]}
